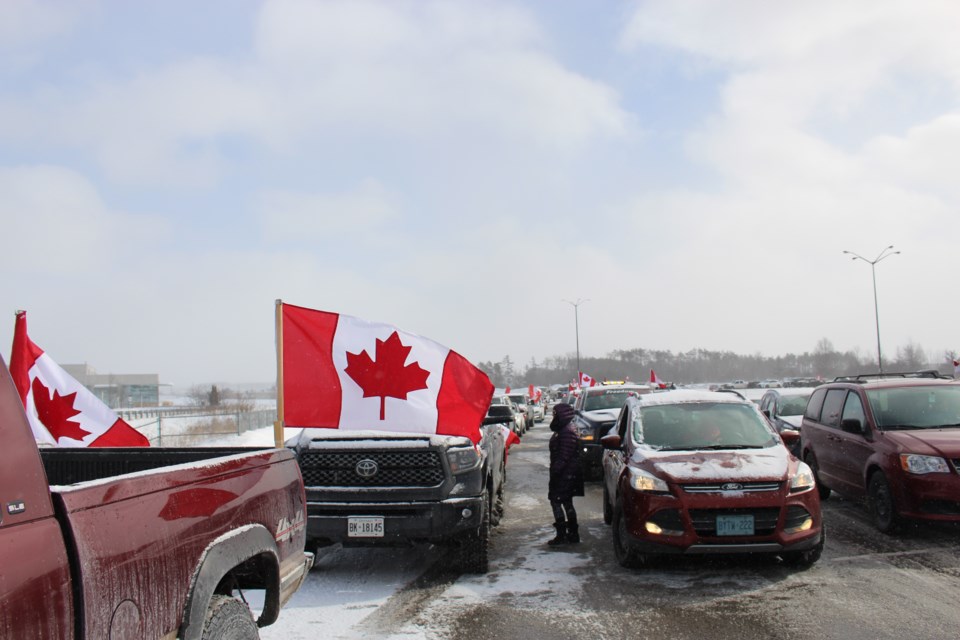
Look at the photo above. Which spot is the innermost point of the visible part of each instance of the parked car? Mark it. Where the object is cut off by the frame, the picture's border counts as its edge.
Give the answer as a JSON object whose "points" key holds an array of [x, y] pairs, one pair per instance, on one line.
{"points": [[784, 408], [698, 472], [525, 406], [143, 542], [597, 409], [519, 417], [894, 439], [507, 412]]}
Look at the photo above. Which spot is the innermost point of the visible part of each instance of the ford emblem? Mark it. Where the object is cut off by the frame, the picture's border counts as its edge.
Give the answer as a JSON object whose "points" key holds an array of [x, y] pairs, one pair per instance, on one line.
{"points": [[729, 486], [366, 468]]}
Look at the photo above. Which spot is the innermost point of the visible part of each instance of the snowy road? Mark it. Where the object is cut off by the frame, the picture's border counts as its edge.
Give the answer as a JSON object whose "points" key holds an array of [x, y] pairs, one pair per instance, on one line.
{"points": [[867, 585]]}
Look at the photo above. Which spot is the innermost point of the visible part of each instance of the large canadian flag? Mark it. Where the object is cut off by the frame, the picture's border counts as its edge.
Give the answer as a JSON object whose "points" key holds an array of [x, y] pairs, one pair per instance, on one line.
{"points": [[61, 411], [342, 372], [586, 381]]}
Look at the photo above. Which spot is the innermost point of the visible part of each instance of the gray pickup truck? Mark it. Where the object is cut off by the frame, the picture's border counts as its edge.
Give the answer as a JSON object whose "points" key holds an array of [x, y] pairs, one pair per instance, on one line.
{"points": [[376, 488]]}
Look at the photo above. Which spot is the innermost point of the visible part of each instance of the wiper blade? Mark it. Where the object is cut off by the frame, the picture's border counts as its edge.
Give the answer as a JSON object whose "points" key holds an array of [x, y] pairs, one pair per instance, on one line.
{"points": [[730, 446]]}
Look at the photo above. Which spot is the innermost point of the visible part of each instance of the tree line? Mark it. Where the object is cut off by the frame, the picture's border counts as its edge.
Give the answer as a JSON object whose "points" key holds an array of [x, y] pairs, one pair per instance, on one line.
{"points": [[703, 365]]}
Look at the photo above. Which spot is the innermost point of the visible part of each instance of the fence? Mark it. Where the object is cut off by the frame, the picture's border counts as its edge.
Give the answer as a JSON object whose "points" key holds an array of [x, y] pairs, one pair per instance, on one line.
{"points": [[179, 427]]}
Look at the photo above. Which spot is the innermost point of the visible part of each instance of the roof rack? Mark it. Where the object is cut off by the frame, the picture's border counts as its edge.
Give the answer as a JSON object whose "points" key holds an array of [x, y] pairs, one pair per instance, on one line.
{"points": [[866, 377]]}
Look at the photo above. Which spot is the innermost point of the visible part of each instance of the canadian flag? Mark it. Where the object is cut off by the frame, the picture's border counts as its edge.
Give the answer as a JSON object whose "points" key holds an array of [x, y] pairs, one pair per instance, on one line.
{"points": [[586, 381], [655, 380], [956, 368], [535, 393], [343, 372], [61, 411]]}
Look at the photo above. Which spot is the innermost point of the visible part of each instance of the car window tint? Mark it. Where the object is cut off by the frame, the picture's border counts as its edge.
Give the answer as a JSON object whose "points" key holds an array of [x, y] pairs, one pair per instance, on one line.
{"points": [[853, 409], [832, 406], [815, 404], [697, 425], [916, 407]]}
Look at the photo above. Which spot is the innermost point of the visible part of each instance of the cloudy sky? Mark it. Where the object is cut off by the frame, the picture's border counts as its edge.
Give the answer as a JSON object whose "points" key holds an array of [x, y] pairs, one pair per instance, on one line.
{"points": [[460, 168]]}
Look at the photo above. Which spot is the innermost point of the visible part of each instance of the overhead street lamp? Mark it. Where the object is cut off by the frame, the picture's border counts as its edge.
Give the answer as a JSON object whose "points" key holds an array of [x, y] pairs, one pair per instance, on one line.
{"points": [[886, 253], [576, 321]]}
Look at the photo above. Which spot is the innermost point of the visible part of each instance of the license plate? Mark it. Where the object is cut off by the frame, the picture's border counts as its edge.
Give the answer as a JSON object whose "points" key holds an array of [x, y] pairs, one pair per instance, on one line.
{"points": [[735, 525], [364, 527]]}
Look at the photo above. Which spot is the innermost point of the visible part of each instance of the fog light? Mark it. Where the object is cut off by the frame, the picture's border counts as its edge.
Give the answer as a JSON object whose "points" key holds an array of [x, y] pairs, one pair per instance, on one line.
{"points": [[652, 528], [806, 525], [466, 513]]}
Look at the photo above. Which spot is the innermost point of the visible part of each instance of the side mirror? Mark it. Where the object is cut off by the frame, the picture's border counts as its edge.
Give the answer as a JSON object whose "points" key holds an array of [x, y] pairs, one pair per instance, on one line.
{"points": [[851, 425], [611, 441], [790, 437]]}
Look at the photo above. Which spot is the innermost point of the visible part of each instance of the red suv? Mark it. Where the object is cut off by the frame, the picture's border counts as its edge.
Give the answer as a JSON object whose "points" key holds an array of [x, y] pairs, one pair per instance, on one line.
{"points": [[894, 439], [690, 472]]}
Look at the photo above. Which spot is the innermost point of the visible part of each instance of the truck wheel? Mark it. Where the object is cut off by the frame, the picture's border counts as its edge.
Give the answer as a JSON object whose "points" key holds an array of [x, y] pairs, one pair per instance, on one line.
{"points": [[626, 555], [473, 546], [496, 514], [822, 489], [880, 503], [228, 619], [803, 560]]}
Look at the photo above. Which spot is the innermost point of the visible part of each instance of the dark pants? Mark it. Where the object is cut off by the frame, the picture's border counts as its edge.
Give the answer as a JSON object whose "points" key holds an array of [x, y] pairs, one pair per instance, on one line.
{"points": [[561, 506]]}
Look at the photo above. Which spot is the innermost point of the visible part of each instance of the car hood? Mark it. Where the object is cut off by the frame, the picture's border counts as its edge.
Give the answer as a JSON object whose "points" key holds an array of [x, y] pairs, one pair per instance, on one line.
{"points": [[941, 442], [793, 421], [601, 415], [771, 463]]}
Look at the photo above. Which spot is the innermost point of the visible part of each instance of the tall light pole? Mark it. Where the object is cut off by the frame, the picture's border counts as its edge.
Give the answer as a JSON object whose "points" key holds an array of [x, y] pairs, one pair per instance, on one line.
{"points": [[886, 253], [576, 324]]}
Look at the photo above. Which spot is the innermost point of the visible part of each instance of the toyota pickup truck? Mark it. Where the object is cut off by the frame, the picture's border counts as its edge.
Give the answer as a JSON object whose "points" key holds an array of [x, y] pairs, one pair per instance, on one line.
{"points": [[377, 488], [145, 542]]}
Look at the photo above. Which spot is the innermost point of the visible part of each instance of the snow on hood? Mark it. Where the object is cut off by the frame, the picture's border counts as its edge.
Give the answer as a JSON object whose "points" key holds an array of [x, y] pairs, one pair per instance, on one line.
{"points": [[602, 415], [771, 463], [345, 439]]}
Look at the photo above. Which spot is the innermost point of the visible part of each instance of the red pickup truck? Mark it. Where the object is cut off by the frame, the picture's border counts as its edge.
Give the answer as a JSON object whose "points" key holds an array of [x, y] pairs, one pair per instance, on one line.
{"points": [[143, 543]]}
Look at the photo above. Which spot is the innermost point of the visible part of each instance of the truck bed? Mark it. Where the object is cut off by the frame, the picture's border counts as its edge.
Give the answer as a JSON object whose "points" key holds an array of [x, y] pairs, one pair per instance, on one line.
{"points": [[71, 466]]}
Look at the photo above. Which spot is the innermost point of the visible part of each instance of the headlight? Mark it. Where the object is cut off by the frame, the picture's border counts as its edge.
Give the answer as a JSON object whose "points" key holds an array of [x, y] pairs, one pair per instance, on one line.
{"points": [[802, 479], [463, 459], [586, 433], [648, 483], [913, 463]]}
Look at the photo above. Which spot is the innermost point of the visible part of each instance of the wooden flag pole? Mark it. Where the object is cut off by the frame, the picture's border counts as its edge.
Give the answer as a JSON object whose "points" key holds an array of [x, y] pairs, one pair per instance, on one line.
{"points": [[278, 425]]}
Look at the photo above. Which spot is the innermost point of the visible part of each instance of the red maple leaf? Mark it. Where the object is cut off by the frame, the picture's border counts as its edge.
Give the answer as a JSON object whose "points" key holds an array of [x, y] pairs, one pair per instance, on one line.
{"points": [[55, 413], [388, 376]]}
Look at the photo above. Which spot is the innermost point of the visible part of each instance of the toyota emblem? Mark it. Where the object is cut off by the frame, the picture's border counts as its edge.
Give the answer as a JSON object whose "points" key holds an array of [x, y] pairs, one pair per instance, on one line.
{"points": [[729, 486], [366, 468]]}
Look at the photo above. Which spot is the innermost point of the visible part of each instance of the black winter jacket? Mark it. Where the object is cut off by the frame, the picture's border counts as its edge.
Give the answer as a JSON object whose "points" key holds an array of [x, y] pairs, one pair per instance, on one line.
{"points": [[566, 476]]}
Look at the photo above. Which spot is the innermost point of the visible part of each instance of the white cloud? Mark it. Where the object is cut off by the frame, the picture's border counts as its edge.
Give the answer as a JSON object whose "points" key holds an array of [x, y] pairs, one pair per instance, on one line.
{"points": [[296, 217]]}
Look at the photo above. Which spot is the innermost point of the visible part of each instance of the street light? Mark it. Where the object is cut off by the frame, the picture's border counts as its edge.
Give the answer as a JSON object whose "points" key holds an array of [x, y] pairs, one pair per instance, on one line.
{"points": [[886, 253], [576, 321]]}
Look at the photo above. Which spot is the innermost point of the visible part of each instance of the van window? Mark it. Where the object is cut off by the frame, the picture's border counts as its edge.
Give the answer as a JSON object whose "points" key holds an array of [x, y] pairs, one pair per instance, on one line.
{"points": [[853, 409], [832, 406], [815, 404]]}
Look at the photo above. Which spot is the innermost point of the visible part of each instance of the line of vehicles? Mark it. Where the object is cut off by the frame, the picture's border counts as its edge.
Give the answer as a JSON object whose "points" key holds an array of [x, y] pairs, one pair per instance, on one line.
{"points": [[744, 471]]}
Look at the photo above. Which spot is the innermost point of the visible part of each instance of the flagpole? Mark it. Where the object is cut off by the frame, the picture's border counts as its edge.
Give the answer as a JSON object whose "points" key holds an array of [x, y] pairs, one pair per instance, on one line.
{"points": [[278, 425]]}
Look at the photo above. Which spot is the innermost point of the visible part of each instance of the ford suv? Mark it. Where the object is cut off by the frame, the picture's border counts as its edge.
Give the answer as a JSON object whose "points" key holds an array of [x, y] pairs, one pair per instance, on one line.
{"points": [[690, 472], [893, 438]]}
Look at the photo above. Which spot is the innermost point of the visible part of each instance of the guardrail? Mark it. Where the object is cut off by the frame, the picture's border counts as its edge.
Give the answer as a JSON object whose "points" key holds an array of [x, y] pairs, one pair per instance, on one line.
{"points": [[176, 426]]}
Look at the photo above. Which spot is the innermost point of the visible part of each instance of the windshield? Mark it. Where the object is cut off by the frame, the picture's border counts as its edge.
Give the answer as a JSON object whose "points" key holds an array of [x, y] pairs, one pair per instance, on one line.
{"points": [[519, 399], [611, 399], [703, 425], [793, 405], [916, 407]]}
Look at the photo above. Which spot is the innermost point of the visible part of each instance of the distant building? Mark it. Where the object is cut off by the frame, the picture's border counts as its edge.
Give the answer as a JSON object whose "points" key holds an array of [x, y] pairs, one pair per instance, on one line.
{"points": [[118, 390]]}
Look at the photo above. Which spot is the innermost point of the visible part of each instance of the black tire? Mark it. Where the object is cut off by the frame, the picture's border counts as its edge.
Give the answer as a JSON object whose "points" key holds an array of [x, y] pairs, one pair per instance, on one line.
{"points": [[496, 507], [881, 505], [228, 619], [803, 560], [822, 489], [475, 545], [607, 509], [626, 555]]}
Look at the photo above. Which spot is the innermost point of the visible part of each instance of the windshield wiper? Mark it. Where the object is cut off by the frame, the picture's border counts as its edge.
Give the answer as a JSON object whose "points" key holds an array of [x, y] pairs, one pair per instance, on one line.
{"points": [[731, 446]]}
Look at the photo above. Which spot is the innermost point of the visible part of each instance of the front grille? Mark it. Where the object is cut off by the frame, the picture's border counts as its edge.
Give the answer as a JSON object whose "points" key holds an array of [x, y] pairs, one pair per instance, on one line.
{"points": [[394, 469], [764, 520], [718, 487]]}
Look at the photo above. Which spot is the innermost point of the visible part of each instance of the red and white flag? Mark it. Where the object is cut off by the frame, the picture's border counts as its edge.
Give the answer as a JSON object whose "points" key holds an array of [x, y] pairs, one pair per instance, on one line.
{"points": [[535, 393], [61, 411], [343, 372], [586, 381], [956, 368], [510, 438], [656, 381], [506, 389]]}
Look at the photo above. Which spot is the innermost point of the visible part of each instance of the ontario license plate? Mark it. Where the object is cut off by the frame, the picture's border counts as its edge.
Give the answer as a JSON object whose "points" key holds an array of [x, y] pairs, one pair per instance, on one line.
{"points": [[735, 525], [364, 527]]}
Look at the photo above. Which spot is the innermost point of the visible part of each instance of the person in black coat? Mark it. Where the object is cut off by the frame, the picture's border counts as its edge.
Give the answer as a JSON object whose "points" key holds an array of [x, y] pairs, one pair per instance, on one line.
{"points": [[566, 476]]}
